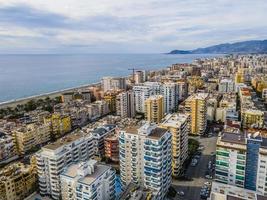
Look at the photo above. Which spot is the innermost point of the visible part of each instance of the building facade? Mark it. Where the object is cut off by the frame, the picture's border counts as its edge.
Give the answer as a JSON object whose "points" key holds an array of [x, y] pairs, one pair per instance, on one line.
{"points": [[196, 107], [52, 159], [178, 125], [88, 180], [154, 109], [145, 158]]}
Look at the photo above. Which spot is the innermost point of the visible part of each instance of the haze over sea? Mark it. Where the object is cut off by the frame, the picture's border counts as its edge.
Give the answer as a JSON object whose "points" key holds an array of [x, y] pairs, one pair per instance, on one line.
{"points": [[27, 75]]}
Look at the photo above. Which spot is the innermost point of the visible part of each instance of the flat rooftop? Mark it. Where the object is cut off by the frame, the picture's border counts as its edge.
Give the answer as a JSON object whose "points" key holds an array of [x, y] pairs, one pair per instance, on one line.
{"points": [[72, 172], [64, 141], [233, 138], [132, 129], [157, 133], [174, 120]]}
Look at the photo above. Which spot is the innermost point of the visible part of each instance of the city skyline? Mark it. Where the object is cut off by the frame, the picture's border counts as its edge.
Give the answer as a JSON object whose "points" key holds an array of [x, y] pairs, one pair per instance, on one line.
{"points": [[126, 26]]}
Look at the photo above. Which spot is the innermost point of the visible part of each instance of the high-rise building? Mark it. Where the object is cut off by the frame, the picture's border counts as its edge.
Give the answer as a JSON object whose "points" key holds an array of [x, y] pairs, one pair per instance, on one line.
{"points": [[17, 182], [196, 106], [125, 106], [88, 180], [145, 158], [139, 77], [52, 159], [170, 93], [182, 90], [143, 92], [112, 147], [178, 125], [110, 98], [226, 85], [111, 83], [154, 108], [241, 160]]}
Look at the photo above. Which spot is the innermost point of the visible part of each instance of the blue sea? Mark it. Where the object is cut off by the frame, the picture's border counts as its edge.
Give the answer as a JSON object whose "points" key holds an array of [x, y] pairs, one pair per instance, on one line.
{"points": [[27, 75]]}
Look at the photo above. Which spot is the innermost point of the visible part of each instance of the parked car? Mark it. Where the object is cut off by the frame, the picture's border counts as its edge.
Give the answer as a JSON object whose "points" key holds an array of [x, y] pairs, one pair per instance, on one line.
{"points": [[208, 177], [180, 193]]}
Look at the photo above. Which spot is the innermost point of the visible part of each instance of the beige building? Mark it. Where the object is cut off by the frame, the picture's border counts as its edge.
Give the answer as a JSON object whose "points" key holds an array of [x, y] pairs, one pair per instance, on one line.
{"points": [[17, 182], [27, 137], [196, 106], [178, 125], [154, 109]]}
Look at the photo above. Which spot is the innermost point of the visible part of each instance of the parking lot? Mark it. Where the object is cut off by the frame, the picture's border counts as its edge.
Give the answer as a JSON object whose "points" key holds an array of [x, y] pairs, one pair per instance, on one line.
{"points": [[192, 188]]}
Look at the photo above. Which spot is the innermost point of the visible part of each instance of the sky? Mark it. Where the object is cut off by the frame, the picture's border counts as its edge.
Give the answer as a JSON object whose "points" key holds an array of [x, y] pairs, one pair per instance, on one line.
{"points": [[127, 26]]}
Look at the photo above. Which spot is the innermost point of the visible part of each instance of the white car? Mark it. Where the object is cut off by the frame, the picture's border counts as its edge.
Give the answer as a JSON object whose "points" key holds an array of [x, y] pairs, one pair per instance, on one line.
{"points": [[208, 177], [181, 193], [208, 183]]}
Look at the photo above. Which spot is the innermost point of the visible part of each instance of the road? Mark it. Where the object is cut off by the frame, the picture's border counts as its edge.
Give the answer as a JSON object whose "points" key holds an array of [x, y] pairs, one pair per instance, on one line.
{"points": [[192, 188]]}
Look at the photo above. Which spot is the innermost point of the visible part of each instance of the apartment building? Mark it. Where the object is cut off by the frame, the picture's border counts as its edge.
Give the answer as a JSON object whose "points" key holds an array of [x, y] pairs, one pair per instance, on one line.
{"points": [[145, 158], [52, 159], [241, 160], [252, 117], [226, 86], [112, 83], [154, 109], [7, 147], [125, 105], [178, 125], [88, 180], [229, 192], [182, 90], [59, 124], [170, 93], [110, 98], [111, 143], [24, 139], [17, 182], [196, 107], [143, 92], [28, 136]]}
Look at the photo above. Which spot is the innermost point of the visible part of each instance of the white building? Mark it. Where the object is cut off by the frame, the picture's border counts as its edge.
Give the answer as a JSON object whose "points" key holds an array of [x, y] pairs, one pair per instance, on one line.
{"points": [[52, 158], [125, 106], [145, 158], [111, 83], [170, 93], [88, 180], [143, 92], [220, 191], [226, 85]]}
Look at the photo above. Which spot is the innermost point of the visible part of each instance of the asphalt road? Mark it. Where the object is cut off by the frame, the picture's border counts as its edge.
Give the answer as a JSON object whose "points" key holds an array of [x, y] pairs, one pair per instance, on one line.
{"points": [[192, 188]]}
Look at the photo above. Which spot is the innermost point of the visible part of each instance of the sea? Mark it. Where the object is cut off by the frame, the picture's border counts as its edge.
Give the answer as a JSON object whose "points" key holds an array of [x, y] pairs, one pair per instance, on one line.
{"points": [[23, 76]]}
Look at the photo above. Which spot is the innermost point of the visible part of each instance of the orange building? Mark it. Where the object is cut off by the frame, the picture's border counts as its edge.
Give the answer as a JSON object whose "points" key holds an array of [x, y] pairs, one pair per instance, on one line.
{"points": [[112, 147]]}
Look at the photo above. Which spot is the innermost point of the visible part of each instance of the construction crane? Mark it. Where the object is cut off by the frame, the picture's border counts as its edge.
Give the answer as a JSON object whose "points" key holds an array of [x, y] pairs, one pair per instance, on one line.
{"points": [[133, 69]]}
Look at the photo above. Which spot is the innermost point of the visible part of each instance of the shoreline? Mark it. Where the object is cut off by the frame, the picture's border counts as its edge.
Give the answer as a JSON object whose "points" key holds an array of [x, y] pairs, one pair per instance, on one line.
{"points": [[53, 94]]}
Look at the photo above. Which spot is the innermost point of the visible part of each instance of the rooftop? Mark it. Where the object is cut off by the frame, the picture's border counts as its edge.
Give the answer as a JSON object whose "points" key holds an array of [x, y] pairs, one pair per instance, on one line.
{"points": [[64, 141], [174, 120], [157, 133], [73, 172], [233, 138]]}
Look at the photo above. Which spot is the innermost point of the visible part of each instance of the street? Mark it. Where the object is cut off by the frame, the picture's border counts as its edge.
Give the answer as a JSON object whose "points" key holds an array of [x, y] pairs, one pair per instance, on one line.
{"points": [[192, 188]]}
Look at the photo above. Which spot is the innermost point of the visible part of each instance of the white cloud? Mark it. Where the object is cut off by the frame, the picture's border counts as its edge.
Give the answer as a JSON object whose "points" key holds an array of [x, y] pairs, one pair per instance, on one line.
{"points": [[164, 24]]}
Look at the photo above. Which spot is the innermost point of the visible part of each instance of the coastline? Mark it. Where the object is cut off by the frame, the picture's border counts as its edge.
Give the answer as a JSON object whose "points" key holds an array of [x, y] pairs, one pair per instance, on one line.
{"points": [[53, 94]]}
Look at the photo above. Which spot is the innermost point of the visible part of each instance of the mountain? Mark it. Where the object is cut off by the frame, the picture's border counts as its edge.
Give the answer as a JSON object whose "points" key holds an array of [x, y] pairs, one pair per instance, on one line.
{"points": [[252, 46]]}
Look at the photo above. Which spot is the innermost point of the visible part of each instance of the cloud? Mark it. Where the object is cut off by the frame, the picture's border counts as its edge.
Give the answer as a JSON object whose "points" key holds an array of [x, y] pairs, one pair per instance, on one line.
{"points": [[128, 25]]}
